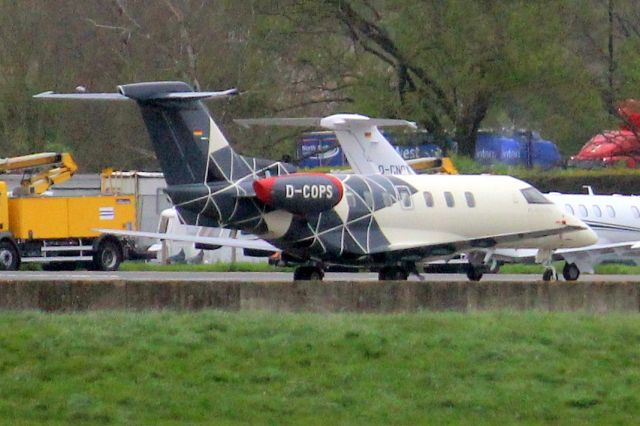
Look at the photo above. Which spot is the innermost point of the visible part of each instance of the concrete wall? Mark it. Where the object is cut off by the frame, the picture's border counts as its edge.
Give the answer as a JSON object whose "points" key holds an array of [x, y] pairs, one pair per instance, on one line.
{"points": [[319, 297]]}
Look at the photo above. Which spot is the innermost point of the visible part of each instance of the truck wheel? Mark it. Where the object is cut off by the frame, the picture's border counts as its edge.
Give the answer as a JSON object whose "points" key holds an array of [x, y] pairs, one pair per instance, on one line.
{"points": [[9, 257], [107, 257]]}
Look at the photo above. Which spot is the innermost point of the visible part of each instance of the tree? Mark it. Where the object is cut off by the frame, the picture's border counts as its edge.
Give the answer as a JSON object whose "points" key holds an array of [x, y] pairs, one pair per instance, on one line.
{"points": [[452, 66], [448, 65]]}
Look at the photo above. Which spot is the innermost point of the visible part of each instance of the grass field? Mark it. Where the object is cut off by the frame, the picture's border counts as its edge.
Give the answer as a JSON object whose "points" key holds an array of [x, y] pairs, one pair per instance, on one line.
{"points": [[264, 267], [604, 269], [261, 368]]}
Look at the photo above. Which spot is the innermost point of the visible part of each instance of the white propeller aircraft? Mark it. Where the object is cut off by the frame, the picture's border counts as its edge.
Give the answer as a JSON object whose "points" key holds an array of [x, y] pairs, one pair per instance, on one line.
{"points": [[385, 222]]}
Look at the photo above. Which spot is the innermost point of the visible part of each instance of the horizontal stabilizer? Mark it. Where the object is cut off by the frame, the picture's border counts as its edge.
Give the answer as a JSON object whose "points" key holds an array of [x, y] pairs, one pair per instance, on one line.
{"points": [[82, 96], [332, 122], [170, 96], [291, 122]]}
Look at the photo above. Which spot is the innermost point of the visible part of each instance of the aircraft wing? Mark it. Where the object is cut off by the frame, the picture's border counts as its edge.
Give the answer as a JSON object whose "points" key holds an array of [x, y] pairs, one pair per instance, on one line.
{"points": [[584, 257], [461, 246], [628, 248], [587, 257], [256, 244], [604, 248]]}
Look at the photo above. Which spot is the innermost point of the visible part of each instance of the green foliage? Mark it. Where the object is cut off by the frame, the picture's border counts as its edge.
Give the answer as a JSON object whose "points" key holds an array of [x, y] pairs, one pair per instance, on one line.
{"points": [[264, 368], [451, 66], [604, 181], [603, 269], [467, 165]]}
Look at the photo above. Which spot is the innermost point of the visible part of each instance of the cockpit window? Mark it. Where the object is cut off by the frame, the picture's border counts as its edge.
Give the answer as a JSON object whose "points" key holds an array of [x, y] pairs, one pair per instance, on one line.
{"points": [[533, 196]]}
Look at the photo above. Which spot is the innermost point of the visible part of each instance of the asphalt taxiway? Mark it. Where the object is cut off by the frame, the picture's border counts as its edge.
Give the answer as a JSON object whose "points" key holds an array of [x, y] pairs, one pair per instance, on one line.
{"points": [[274, 276]]}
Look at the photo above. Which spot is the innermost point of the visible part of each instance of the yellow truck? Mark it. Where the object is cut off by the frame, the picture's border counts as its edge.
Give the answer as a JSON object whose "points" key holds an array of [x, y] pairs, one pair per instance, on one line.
{"points": [[59, 231]]}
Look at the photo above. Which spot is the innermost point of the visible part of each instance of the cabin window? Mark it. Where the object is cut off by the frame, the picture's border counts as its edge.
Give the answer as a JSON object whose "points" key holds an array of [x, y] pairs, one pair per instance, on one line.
{"points": [[636, 212], [471, 201], [597, 211], [428, 198], [448, 197], [583, 211], [405, 197], [533, 196], [387, 199], [569, 209], [351, 200], [610, 211]]}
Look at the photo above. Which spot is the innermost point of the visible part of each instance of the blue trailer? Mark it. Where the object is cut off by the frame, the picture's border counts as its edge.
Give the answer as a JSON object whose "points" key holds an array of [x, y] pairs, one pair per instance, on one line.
{"points": [[519, 148], [320, 149]]}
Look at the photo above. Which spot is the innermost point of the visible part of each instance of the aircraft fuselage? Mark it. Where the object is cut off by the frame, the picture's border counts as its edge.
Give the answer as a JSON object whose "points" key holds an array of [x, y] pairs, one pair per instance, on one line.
{"points": [[378, 217]]}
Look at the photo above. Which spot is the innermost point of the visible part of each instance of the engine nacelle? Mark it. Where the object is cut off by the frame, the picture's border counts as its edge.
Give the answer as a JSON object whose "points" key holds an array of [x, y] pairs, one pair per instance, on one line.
{"points": [[301, 192]]}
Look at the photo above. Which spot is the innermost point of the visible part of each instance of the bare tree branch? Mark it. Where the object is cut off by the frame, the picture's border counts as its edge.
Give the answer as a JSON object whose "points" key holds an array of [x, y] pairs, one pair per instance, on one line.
{"points": [[385, 48]]}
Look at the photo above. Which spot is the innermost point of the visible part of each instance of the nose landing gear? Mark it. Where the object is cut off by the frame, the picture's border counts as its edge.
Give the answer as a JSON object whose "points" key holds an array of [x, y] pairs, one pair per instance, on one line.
{"points": [[549, 273], [545, 257]]}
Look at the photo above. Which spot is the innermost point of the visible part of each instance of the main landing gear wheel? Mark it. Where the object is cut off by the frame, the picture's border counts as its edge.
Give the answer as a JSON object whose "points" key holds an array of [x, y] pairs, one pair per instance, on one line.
{"points": [[308, 273], [474, 273], [393, 273], [9, 258], [570, 272]]}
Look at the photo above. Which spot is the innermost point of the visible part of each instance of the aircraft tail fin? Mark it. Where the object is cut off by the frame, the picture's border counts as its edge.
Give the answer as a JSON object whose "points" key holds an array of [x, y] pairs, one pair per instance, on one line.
{"points": [[367, 150], [188, 144]]}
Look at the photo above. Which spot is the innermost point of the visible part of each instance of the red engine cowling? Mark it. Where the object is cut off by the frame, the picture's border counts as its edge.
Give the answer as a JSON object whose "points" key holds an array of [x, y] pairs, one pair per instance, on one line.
{"points": [[301, 192]]}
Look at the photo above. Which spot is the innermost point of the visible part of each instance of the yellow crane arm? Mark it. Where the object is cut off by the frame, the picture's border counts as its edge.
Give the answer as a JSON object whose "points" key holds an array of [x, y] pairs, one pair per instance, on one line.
{"points": [[46, 169], [433, 165]]}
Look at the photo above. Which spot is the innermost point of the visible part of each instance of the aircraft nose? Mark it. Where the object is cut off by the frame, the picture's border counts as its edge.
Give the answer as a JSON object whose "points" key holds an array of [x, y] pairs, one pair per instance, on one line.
{"points": [[583, 237], [586, 237]]}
